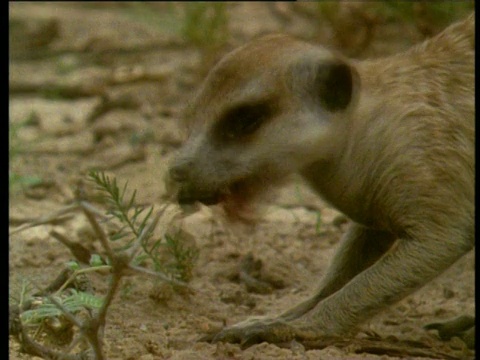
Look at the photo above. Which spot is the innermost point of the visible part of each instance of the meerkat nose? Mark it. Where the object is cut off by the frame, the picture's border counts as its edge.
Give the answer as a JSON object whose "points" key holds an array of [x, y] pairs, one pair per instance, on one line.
{"points": [[178, 173]]}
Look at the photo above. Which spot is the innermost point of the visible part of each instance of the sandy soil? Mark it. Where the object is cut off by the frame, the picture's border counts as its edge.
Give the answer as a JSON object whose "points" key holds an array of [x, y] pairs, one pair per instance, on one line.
{"points": [[65, 60]]}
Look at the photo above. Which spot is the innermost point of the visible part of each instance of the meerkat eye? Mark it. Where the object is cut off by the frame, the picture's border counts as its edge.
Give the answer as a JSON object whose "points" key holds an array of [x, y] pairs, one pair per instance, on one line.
{"points": [[242, 120]]}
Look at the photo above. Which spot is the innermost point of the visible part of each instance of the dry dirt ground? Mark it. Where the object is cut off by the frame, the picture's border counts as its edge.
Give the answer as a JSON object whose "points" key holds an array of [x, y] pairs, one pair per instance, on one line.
{"points": [[103, 86]]}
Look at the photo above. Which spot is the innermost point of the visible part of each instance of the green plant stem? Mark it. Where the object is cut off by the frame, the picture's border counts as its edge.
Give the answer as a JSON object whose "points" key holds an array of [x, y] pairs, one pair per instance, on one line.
{"points": [[162, 276], [98, 230], [79, 272], [145, 232]]}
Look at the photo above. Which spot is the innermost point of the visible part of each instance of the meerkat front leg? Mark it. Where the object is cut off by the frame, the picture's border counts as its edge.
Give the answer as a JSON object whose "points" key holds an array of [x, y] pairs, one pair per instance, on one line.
{"points": [[359, 248], [409, 264]]}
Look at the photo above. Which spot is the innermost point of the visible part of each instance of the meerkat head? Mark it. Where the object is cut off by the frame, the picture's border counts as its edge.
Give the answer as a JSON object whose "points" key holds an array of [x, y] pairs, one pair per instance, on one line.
{"points": [[266, 110]]}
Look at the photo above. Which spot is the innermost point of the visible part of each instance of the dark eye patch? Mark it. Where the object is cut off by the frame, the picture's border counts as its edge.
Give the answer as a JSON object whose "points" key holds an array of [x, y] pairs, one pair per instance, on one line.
{"points": [[243, 120]]}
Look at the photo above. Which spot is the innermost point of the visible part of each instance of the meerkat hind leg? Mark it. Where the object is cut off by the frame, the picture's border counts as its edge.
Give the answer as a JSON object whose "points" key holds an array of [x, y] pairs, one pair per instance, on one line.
{"points": [[359, 248]]}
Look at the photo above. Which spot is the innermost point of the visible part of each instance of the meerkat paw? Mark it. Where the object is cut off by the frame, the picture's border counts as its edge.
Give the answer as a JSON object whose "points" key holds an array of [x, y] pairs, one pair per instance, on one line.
{"points": [[461, 326], [272, 330]]}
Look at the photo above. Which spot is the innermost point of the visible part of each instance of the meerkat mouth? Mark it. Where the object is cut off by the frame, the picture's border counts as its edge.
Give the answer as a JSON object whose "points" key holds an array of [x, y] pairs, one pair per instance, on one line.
{"points": [[240, 201], [188, 196], [185, 198], [235, 199]]}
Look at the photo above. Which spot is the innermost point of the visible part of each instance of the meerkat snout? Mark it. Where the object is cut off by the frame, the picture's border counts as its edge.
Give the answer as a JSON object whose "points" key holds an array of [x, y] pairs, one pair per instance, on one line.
{"points": [[178, 172]]}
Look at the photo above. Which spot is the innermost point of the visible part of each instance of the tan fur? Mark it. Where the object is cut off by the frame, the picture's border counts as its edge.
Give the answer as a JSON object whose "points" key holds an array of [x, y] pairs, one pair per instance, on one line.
{"points": [[398, 159]]}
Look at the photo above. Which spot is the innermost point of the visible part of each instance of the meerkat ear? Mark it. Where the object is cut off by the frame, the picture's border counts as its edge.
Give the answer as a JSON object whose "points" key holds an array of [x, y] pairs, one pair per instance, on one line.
{"points": [[334, 85]]}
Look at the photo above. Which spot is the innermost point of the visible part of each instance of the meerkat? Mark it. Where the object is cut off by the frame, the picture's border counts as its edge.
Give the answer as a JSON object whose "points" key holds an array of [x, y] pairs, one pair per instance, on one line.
{"points": [[389, 142]]}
